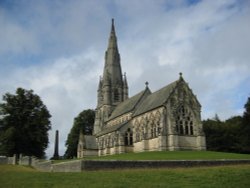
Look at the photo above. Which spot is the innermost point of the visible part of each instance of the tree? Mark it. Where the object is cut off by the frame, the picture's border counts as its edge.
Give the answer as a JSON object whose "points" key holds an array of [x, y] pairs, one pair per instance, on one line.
{"points": [[83, 122], [245, 129], [223, 135], [24, 124], [213, 131]]}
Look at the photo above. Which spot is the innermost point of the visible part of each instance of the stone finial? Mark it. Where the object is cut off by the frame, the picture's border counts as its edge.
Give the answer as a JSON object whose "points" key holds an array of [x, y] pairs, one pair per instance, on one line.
{"points": [[180, 75], [112, 25]]}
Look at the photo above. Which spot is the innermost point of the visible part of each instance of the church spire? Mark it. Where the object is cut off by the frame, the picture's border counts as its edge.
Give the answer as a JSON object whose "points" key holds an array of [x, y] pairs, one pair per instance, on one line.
{"points": [[113, 27], [112, 37], [112, 69], [113, 87]]}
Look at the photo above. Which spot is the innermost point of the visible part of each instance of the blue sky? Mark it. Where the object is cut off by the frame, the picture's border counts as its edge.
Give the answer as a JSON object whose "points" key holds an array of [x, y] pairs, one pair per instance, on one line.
{"points": [[57, 49]]}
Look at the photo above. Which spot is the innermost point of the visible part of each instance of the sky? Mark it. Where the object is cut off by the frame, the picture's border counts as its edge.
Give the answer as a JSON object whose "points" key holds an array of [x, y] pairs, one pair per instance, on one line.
{"points": [[56, 48]]}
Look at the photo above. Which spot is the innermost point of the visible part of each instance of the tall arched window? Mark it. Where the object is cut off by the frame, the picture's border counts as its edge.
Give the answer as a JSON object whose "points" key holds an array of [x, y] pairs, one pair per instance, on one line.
{"points": [[181, 129], [191, 130], [128, 138], [186, 129], [184, 123]]}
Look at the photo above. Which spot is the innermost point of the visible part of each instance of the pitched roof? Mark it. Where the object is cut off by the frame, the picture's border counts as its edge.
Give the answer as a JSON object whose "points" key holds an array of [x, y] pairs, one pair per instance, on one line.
{"points": [[112, 128], [156, 99], [129, 104]]}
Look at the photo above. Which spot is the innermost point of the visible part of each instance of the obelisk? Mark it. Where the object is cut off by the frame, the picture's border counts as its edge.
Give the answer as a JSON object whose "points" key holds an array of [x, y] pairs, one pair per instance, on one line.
{"points": [[56, 155]]}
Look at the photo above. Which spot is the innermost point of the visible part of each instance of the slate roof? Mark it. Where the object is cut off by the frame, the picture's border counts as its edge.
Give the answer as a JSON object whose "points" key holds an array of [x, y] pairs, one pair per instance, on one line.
{"points": [[112, 128], [156, 99], [129, 104]]}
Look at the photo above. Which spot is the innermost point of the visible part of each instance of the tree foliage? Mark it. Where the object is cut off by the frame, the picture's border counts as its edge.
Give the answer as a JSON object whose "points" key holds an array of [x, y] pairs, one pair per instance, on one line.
{"points": [[245, 129], [223, 135], [231, 135], [24, 124], [83, 122]]}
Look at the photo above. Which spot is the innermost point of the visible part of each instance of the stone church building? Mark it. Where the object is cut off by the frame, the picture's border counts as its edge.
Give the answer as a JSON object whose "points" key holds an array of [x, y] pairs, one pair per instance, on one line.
{"points": [[168, 119]]}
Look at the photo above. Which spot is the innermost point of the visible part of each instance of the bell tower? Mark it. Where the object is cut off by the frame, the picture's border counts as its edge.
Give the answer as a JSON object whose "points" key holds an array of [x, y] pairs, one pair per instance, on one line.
{"points": [[113, 87]]}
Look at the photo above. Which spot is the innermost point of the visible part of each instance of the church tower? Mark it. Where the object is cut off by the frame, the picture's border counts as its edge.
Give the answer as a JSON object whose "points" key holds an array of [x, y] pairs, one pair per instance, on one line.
{"points": [[113, 87]]}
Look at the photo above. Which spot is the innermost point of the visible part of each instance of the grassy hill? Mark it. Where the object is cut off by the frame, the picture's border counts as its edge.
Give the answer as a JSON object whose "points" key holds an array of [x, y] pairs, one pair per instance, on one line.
{"points": [[228, 176], [173, 155]]}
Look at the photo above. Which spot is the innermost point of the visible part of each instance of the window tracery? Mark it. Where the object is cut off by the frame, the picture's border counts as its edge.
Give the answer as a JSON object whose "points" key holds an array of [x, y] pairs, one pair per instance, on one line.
{"points": [[128, 138], [184, 121]]}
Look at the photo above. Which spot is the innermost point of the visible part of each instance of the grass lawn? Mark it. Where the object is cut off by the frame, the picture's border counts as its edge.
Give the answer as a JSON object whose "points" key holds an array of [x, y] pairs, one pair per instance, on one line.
{"points": [[167, 155], [227, 176], [173, 155]]}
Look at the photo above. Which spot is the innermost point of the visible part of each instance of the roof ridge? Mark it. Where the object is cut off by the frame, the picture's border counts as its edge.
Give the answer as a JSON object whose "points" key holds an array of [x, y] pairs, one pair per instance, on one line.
{"points": [[144, 91], [174, 88], [129, 102], [156, 98]]}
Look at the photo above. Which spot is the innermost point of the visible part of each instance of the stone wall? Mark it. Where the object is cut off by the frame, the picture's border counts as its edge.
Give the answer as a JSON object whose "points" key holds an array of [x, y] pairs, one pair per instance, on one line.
{"points": [[3, 160], [82, 165], [72, 166], [45, 166], [153, 144], [106, 165], [85, 165], [187, 142], [25, 160]]}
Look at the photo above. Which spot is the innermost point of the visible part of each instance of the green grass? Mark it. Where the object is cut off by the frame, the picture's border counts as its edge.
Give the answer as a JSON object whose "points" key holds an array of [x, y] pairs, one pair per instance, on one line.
{"points": [[227, 176], [173, 155]]}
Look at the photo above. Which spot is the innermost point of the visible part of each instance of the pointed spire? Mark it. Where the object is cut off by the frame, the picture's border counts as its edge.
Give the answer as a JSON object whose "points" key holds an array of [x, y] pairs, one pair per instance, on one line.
{"points": [[113, 26], [112, 37], [112, 69]]}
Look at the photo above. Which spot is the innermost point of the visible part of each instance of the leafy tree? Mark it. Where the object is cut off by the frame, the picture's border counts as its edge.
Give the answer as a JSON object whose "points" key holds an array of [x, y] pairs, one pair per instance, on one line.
{"points": [[24, 124], [245, 129], [213, 131], [223, 135], [83, 122]]}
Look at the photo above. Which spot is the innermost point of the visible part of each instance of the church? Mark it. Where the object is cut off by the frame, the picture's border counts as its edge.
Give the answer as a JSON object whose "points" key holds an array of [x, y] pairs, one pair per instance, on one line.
{"points": [[165, 120]]}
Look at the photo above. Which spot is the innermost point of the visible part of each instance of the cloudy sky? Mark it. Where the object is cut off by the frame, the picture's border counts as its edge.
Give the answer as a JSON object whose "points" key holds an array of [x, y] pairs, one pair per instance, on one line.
{"points": [[57, 49]]}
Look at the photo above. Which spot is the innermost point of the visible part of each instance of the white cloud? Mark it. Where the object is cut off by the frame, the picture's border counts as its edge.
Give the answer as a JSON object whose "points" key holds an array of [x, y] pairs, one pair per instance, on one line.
{"points": [[14, 38]]}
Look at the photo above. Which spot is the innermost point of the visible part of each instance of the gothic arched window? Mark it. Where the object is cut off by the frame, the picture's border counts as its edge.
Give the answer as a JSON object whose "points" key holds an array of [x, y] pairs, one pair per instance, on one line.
{"points": [[181, 129], [184, 123], [191, 130], [128, 138], [186, 129]]}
